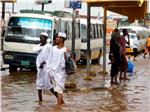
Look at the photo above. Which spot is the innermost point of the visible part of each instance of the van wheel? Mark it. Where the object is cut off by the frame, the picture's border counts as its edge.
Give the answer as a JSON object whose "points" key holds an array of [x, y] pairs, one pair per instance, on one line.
{"points": [[83, 61], [97, 60], [33, 69], [12, 68]]}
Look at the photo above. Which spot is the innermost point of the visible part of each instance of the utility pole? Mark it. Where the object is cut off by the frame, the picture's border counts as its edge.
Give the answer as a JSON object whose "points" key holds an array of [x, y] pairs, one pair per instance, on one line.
{"points": [[88, 38], [42, 6], [104, 40], [13, 7], [2, 23], [74, 5], [3, 18], [73, 32], [3, 10]]}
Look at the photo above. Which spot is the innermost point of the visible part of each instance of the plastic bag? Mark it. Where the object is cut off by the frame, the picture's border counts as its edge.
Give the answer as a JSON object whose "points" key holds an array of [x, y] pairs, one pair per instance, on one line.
{"points": [[70, 64], [130, 67]]}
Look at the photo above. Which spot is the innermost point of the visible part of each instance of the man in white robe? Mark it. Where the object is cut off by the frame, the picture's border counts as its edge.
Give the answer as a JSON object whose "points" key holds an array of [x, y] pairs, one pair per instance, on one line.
{"points": [[43, 51], [56, 67]]}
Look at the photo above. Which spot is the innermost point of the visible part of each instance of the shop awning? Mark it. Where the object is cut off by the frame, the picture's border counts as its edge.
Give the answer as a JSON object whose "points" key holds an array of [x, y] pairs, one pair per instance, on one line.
{"points": [[134, 9]]}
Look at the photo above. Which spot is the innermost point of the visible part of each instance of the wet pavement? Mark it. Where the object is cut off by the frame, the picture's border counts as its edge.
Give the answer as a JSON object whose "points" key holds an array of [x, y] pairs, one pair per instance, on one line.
{"points": [[97, 95]]}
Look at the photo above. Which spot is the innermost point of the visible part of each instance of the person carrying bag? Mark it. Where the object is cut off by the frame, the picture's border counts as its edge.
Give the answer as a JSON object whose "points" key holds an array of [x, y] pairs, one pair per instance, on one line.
{"points": [[70, 64]]}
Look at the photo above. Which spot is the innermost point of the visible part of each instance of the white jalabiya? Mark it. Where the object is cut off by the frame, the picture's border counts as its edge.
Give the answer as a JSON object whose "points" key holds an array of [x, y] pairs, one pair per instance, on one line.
{"points": [[43, 53], [56, 68]]}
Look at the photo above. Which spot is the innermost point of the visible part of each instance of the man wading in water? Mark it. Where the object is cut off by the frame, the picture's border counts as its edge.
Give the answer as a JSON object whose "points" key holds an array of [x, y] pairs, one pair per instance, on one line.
{"points": [[56, 67]]}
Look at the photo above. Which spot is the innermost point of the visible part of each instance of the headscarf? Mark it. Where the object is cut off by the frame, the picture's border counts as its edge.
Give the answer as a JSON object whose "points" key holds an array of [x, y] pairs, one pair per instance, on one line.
{"points": [[115, 34]]}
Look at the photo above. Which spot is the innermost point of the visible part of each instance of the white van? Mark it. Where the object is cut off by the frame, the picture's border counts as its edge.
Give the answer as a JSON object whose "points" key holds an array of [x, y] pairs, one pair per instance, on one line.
{"points": [[136, 33]]}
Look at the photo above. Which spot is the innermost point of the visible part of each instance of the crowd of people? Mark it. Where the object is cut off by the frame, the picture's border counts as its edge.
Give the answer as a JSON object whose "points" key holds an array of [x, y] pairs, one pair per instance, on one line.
{"points": [[118, 57]]}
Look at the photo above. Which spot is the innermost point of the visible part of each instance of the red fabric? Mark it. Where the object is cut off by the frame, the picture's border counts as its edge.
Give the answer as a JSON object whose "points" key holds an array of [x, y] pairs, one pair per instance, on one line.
{"points": [[122, 43], [124, 63]]}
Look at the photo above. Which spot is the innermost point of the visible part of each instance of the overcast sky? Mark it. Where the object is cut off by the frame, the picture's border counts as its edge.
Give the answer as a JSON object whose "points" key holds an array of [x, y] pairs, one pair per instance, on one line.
{"points": [[55, 5]]}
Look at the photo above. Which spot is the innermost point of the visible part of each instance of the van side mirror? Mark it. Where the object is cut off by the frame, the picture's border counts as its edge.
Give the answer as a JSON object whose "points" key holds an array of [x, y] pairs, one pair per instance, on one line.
{"points": [[3, 33]]}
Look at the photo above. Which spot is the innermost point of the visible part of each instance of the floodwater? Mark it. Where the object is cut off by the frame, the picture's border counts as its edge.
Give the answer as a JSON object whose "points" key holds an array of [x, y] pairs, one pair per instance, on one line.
{"points": [[19, 93]]}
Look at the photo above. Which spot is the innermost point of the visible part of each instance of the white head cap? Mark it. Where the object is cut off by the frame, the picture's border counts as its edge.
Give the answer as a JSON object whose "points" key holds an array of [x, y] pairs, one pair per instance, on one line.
{"points": [[62, 34], [44, 34]]}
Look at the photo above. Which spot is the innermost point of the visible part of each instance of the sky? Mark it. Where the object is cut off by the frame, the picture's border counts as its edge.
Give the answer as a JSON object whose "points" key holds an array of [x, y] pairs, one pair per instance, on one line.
{"points": [[55, 5]]}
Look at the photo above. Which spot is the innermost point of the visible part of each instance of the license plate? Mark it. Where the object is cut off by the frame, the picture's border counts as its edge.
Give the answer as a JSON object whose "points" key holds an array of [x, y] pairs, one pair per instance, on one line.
{"points": [[27, 63]]}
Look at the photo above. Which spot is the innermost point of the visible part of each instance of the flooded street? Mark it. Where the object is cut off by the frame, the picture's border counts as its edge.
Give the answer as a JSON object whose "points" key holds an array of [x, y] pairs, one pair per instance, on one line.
{"points": [[53, 34], [19, 93]]}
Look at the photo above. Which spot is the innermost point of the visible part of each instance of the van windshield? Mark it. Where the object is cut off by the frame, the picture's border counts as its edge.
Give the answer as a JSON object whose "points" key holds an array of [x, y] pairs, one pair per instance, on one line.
{"points": [[132, 35], [27, 29]]}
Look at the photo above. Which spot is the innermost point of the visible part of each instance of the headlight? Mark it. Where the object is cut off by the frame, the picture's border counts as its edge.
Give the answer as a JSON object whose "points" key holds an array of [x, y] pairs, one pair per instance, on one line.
{"points": [[8, 57]]}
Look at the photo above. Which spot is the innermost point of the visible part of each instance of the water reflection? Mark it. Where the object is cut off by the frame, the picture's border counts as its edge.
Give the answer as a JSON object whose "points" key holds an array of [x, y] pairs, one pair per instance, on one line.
{"points": [[17, 89], [19, 94]]}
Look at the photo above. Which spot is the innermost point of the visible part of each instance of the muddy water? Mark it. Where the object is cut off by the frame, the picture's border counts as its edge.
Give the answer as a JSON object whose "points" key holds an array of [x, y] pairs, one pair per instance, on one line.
{"points": [[19, 94]]}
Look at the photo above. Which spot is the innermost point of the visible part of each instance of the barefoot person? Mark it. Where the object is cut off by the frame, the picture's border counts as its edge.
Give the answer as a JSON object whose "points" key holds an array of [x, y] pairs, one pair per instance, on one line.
{"points": [[147, 47], [114, 56], [56, 67], [122, 42], [42, 50], [135, 48]]}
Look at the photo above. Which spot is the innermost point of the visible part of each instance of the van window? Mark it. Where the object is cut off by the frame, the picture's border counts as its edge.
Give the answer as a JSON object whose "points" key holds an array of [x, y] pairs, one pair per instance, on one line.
{"points": [[96, 32], [92, 32], [99, 31], [69, 30], [27, 29], [64, 27], [102, 31], [77, 30], [83, 32]]}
